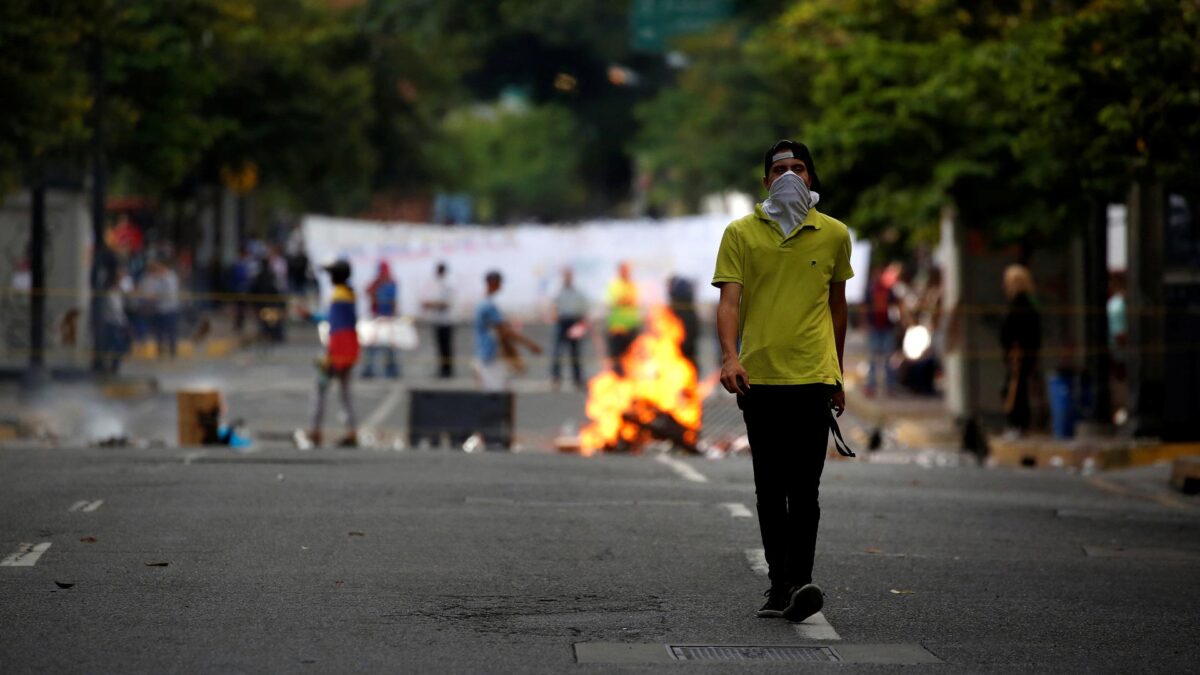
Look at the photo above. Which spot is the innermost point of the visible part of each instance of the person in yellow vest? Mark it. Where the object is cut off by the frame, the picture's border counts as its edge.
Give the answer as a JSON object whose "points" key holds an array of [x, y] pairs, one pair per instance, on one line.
{"points": [[624, 316], [782, 272]]}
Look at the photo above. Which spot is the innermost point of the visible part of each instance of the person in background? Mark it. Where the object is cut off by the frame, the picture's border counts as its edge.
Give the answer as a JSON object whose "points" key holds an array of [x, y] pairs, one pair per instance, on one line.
{"points": [[114, 324], [162, 295], [297, 262], [1021, 339], [279, 266], [920, 367], [268, 302], [682, 296], [570, 325], [341, 353], [624, 316], [1118, 342], [883, 309], [384, 293], [438, 303], [496, 340]]}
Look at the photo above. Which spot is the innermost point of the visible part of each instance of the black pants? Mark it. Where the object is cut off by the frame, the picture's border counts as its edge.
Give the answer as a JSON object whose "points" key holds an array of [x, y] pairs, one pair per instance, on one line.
{"points": [[788, 429], [561, 339], [1020, 415], [444, 336], [618, 345]]}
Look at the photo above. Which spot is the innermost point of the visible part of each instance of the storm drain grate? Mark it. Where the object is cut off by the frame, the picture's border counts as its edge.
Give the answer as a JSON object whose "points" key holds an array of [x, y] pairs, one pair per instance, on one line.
{"points": [[728, 653]]}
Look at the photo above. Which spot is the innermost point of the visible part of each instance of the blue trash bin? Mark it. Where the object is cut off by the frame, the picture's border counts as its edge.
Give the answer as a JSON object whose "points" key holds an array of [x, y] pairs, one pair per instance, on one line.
{"points": [[1062, 406]]}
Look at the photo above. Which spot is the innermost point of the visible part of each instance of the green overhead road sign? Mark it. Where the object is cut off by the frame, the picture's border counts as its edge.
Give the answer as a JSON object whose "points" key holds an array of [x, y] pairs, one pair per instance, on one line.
{"points": [[654, 22]]}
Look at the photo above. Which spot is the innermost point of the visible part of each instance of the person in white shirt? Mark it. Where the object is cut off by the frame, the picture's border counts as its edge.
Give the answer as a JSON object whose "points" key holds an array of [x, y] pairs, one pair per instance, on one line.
{"points": [[570, 325], [437, 304], [160, 288]]}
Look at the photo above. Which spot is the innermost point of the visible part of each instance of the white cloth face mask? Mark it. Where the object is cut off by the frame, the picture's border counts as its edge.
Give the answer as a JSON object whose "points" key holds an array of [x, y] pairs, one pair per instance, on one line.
{"points": [[789, 200]]}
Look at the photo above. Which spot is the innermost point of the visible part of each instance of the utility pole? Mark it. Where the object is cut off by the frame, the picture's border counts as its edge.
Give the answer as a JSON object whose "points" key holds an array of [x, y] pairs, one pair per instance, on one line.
{"points": [[1096, 319], [37, 273], [99, 272], [1145, 300]]}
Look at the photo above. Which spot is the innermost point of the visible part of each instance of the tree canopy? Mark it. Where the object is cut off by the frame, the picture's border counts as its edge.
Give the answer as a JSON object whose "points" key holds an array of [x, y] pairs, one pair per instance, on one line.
{"points": [[1014, 113]]}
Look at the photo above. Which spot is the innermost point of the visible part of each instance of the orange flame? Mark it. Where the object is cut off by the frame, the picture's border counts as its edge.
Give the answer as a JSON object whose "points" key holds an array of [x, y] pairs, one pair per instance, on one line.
{"points": [[657, 378]]}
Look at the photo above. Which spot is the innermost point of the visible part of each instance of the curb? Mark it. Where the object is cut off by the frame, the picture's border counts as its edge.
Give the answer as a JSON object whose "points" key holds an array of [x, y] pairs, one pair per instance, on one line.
{"points": [[214, 348], [928, 426], [1089, 454]]}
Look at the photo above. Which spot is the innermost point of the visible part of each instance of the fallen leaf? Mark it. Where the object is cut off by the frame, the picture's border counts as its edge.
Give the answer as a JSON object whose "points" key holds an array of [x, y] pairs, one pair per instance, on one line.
{"points": [[338, 583], [157, 563], [896, 592], [88, 540], [872, 549], [63, 584], [356, 533]]}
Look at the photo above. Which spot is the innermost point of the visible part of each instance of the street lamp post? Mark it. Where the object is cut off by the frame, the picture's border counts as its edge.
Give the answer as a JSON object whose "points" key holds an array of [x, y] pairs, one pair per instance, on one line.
{"points": [[99, 190]]}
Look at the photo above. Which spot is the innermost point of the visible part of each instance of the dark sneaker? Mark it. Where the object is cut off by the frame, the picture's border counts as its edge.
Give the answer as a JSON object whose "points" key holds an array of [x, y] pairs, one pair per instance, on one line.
{"points": [[777, 600], [803, 602], [349, 441]]}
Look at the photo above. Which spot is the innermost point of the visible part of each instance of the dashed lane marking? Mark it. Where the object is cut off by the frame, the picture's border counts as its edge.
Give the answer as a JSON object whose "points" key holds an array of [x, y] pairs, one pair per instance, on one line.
{"points": [[385, 408], [757, 559], [815, 627], [737, 510], [683, 469], [86, 506], [26, 556]]}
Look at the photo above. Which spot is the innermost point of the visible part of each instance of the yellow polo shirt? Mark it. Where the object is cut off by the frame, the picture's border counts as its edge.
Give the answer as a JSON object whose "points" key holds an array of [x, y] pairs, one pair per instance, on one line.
{"points": [[786, 330]]}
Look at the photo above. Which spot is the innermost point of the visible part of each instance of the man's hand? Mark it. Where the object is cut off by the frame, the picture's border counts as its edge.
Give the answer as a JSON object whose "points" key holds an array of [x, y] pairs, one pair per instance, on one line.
{"points": [[734, 377], [838, 402]]}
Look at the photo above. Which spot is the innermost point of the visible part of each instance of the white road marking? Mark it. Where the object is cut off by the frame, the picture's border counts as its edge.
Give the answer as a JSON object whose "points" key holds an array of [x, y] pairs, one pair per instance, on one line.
{"points": [[78, 505], [757, 559], [385, 408], [737, 510], [26, 556], [684, 470], [93, 506], [815, 627]]}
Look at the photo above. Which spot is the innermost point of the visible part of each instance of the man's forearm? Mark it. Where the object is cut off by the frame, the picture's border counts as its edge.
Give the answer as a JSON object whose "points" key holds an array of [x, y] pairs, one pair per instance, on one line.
{"points": [[839, 312], [727, 328]]}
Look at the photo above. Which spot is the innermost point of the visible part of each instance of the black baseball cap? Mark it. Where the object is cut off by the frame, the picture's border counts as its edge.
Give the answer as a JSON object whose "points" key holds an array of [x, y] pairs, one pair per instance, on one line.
{"points": [[800, 151], [339, 271]]}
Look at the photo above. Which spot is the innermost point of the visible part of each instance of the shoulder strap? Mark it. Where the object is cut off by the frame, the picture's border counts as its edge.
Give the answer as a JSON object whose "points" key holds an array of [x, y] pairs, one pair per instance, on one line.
{"points": [[843, 448]]}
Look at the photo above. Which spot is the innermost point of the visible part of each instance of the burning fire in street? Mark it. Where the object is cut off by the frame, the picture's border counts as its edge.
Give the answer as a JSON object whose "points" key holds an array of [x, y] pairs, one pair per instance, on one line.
{"points": [[656, 397]]}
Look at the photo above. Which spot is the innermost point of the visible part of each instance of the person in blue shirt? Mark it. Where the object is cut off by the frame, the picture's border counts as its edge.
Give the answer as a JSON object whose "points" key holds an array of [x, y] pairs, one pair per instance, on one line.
{"points": [[385, 299], [496, 341]]}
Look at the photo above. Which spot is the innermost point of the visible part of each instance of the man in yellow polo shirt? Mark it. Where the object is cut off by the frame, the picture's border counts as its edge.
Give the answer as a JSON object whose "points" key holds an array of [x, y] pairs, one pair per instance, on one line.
{"points": [[782, 272]]}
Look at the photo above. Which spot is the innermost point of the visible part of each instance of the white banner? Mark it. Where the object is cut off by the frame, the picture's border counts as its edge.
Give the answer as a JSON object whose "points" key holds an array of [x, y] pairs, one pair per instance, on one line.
{"points": [[531, 258]]}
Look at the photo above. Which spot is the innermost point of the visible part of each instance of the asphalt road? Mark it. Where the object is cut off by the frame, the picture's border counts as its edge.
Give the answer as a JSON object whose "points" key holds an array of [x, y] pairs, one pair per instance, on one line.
{"points": [[443, 561]]}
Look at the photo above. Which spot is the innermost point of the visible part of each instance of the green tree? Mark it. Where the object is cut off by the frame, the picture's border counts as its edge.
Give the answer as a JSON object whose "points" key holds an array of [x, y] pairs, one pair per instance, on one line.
{"points": [[1107, 96], [44, 116], [299, 107], [702, 135], [517, 162]]}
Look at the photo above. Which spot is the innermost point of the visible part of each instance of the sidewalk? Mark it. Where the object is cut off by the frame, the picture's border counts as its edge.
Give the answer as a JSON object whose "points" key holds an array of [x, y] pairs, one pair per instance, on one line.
{"points": [[923, 422]]}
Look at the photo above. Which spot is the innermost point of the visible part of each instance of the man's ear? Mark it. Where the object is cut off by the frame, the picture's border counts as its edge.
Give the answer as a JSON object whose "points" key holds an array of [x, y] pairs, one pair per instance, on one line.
{"points": [[766, 183]]}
